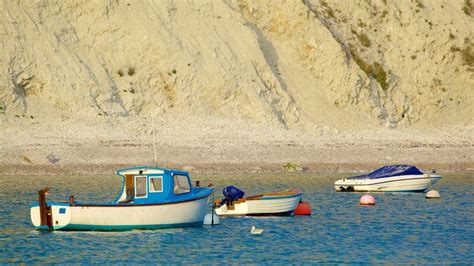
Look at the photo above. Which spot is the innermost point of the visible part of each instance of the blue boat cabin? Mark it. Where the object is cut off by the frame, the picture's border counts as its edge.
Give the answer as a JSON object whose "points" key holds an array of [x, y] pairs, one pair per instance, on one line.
{"points": [[147, 185]]}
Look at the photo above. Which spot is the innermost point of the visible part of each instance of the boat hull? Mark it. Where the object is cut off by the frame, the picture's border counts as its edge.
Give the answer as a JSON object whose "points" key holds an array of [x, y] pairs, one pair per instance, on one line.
{"points": [[124, 217], [404, 183], [265, 206]]}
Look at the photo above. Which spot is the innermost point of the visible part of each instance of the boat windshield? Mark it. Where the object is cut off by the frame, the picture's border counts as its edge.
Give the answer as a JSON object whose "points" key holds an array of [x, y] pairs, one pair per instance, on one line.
{"points": [[391, 170], [181, 184]]}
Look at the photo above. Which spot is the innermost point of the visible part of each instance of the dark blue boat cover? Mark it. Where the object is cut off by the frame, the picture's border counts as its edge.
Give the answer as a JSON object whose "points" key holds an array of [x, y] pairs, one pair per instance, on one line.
{"points": [[391, 170], [231, 193]]}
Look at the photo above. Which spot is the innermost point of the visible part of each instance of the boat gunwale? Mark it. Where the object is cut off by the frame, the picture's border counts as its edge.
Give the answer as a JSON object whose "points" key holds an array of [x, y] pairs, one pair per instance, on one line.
{"points": [[387, 181], [384, 191], [276, 193], [79, 204], [270, 196]]}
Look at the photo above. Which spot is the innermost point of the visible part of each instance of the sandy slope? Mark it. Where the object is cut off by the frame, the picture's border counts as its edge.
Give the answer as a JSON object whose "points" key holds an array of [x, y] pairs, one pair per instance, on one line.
{"points": [[235, 85]]}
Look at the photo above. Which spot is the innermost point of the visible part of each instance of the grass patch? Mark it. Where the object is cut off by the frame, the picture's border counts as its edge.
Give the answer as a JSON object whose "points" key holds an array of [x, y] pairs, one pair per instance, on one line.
{"points": [[26, 159], [419, 4], [328, 9], [468, 55], [292, 167], [374, 70], [363, 39], [361, 24], [454, 49], [131, 71], [361, 63], [380, 75], [468, 8]]}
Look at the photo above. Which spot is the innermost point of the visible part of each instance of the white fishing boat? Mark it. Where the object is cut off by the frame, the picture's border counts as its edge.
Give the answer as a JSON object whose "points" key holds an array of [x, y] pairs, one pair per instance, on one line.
{"points": [[150, 198], [393, 178], [267, 204]]}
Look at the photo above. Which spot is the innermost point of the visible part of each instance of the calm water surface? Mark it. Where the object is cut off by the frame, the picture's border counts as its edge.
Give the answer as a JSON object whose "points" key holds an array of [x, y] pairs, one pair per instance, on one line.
{"points": [[401, 228]]}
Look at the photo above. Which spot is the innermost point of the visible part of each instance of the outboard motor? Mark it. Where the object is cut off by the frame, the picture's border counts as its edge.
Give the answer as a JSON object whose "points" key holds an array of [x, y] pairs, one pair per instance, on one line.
{"points": [[231, 194]]}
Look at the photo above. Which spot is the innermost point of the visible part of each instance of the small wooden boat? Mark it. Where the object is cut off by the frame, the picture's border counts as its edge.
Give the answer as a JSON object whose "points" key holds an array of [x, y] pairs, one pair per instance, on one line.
{"points": [[150, 198], [267, 204]]}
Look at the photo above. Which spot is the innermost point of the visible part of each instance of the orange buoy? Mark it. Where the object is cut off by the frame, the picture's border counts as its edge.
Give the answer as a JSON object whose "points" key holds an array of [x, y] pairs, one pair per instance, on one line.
{"points": [[303, 209]]}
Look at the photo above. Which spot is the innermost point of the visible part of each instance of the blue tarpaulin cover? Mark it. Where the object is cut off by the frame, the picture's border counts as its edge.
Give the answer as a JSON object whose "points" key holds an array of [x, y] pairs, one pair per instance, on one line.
{"points": [[231, 193], [391, 170]]}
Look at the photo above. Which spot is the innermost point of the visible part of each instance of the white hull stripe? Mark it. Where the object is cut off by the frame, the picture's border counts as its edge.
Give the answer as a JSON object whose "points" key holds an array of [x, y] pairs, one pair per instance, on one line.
{"points": [[390, 181]]}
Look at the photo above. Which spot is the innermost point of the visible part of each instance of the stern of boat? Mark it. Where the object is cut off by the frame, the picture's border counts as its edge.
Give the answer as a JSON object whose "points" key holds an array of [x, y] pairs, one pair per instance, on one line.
{"points": [[344, 185], [54, 217]]}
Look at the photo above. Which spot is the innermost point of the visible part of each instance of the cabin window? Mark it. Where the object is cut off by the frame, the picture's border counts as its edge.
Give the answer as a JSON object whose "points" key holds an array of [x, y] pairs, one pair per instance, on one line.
{"points": [[156, 184], [181, 184], [140, 186]]}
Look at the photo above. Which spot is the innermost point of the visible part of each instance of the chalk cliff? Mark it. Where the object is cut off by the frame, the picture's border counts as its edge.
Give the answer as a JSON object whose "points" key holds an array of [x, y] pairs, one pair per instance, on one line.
{"points": [[294, 64]]}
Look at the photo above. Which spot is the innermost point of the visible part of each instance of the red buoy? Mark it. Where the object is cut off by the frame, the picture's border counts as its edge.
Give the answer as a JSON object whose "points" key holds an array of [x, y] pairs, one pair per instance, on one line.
{"points": [[303, 209]]}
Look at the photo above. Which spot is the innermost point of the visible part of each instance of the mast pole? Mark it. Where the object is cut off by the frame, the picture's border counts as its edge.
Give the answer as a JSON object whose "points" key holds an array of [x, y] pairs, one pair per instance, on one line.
{"points": [[154, 140]]}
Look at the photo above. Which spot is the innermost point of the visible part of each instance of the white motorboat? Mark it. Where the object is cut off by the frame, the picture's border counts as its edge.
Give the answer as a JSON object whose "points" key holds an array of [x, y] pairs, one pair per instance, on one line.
{"points": [[268, 204], [393, 178]]}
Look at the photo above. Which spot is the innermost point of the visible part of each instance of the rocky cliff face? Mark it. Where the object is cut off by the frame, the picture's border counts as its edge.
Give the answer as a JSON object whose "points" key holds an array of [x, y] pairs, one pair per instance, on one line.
{"points": [[343, 64]]}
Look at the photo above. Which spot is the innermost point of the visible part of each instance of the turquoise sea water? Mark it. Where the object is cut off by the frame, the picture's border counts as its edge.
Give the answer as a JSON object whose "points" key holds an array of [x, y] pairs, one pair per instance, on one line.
{"points": [[403, 228]]}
